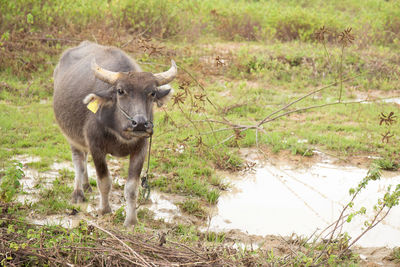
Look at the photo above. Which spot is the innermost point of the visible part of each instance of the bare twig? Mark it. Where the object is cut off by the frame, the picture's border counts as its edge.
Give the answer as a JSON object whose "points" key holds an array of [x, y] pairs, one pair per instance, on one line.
{"points": [[215, 106], [372, 225], [145, 263], [303, 97], [188, 248]]}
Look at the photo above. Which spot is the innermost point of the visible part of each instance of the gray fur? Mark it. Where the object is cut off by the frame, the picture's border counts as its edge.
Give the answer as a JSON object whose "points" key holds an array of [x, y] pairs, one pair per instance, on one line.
{"points": [[107, 131]]}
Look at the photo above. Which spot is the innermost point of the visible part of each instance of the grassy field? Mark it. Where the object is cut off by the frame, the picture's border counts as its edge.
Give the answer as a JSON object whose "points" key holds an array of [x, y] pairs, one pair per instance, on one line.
{"points": [[239, 63]]}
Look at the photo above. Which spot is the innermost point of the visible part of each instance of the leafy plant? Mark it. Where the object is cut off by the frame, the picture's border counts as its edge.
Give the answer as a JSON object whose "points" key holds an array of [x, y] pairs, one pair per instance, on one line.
{"points": [[10, 182], [388, 164]]}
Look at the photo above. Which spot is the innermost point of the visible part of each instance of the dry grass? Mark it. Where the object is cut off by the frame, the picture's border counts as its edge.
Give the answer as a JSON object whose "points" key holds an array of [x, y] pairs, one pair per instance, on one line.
{"points": [[27, 244]]}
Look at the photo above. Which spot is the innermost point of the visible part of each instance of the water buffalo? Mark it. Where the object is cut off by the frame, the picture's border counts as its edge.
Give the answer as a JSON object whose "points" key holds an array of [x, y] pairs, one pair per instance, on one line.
{"points": [[103, 103]]}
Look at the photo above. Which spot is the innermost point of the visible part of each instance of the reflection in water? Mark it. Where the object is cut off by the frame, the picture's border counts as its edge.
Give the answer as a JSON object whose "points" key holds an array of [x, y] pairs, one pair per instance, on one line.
{"points": [[281, 201], [64, 221], [162, 207]]}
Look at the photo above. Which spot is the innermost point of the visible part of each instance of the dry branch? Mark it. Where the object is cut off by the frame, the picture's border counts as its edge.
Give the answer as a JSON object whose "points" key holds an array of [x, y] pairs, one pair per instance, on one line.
{"points": [[99, 247]]}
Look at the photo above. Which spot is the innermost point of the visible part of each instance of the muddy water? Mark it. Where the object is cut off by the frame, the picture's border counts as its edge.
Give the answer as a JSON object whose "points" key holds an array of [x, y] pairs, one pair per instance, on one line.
{"points": [[282, 200], [278, 200], [393, 100], [162, 205]]}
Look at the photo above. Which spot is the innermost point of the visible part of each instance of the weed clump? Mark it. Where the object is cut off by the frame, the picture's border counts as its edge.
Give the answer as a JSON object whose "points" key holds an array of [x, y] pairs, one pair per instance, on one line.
{"points": [[193, 207], [10, 182]]}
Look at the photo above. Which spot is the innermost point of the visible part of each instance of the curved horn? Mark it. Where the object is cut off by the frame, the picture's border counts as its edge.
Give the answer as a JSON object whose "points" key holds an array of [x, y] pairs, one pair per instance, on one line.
{"points": [[103, 74], [167, 76]]}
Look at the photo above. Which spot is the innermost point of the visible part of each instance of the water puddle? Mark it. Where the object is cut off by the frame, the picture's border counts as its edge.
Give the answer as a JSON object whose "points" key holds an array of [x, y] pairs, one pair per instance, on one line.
{"points": [[284, 200], [392, 100], [163, 207], [395, 100], [69, 222], [33, 181]]}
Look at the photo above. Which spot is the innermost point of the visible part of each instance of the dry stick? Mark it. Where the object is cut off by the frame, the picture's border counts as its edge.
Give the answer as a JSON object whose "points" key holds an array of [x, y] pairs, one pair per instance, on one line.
{"points": [[305, 96], [341, 73], [327, 53], [373, 224], [208, 100], [329, 226], [289, 245], [290, 112], [229, 123], [182, 245], [223, 129], [198, 84], [337, 222], [32, 252], [312, 107], [123, 243], [188, 118]]}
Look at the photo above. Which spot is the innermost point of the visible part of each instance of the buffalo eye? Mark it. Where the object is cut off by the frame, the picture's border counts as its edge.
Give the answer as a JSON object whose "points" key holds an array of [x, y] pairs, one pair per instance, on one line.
{"points": [[153, 94], [120, 91]]}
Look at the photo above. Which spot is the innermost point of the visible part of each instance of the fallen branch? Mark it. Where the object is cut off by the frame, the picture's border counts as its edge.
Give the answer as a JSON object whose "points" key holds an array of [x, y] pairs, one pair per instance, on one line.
{"points": [[145, 263]]}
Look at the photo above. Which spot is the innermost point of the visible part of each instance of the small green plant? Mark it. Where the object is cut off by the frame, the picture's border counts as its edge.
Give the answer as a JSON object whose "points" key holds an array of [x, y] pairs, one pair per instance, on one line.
{"points": [[119, 215], [395, 255], [215, 237], [186, 232], [66, 174], [9, 183], [387, 164], [193, 207], [92, 182], [54, 199]]}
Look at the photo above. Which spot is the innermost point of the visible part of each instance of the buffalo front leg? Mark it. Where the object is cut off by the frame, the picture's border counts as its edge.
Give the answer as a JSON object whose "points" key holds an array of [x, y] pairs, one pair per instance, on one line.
{"points": [[132, 184], [81, 182], [103, 181]]}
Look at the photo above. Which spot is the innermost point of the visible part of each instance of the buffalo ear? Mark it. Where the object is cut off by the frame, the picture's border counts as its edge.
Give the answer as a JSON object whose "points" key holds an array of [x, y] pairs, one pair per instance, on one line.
{"points": [[104, 97], [164, 94]]}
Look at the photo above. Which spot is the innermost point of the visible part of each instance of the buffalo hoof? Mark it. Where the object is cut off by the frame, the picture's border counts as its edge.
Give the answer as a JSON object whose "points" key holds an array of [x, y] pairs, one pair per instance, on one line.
{"points": [[130, 222], [87, 188], [78, 196], [105, 210]]}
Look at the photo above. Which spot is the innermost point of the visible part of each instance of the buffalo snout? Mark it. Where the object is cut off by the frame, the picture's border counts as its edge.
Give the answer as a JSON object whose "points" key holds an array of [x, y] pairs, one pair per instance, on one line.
{"points": [[140, 123]]}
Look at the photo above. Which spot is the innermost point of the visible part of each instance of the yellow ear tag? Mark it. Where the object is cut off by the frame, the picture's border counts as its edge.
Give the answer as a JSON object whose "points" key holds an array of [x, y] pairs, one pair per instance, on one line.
{"points": [[93, 106]]}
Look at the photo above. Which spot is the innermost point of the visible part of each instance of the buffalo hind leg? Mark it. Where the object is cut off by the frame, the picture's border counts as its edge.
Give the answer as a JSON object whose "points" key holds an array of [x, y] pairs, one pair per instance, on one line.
{"points": [[103, 181], [81, 182], [86, 184]]}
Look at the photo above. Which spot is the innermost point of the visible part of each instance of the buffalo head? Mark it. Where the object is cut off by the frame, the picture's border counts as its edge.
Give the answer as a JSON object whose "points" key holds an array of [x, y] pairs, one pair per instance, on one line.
{"points": [[126, 106]]}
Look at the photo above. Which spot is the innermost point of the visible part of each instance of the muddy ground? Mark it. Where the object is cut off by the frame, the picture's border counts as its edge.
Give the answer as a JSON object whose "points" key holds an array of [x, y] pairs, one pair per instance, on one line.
{"points": [[165, 210]]}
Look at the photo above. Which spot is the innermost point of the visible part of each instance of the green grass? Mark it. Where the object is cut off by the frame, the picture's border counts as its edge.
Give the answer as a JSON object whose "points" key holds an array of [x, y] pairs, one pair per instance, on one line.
{"points": [[193, 207], [9, 182], [55, 199], [231, 20], [387, 163], [270, 58], [31, 129], [187, 165]]}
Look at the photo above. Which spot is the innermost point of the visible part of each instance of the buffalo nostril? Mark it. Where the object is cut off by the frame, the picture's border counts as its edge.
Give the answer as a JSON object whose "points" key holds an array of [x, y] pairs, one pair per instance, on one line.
{"points": [[134, 123], [148, 125]]}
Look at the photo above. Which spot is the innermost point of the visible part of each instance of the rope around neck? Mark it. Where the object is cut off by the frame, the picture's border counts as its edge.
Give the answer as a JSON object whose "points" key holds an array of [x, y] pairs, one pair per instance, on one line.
{"points": [[144, 179]]}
